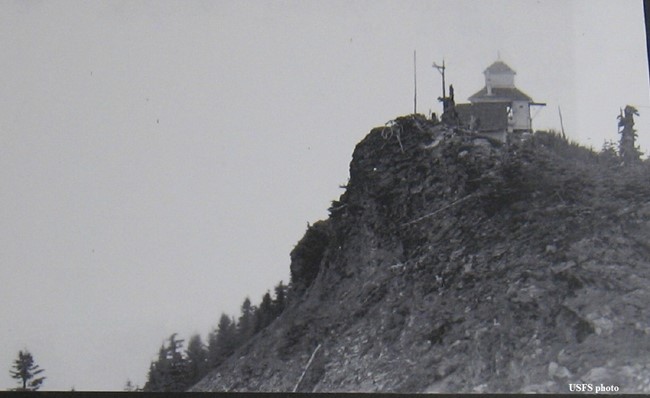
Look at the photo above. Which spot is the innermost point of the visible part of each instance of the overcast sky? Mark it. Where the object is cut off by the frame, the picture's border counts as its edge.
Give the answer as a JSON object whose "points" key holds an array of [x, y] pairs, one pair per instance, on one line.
{"points": [[160, 159]]}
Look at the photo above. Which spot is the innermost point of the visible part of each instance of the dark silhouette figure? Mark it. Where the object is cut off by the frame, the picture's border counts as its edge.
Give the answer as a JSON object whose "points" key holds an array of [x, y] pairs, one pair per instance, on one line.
{"points": [[627, 147], [449, 114]]}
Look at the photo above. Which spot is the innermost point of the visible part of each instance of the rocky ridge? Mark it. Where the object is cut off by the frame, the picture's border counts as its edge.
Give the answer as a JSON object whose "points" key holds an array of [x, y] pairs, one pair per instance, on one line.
{"points": [[454, 263]]}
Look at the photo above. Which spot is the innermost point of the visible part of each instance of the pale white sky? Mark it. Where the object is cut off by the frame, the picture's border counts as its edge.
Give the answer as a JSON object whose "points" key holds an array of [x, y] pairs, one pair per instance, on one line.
{"points": [[159, 159]]}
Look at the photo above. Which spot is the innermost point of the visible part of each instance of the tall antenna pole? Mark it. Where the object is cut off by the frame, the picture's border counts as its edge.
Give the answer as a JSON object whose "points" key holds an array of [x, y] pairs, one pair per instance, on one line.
{"points": [[415, 86], [443, 79]]}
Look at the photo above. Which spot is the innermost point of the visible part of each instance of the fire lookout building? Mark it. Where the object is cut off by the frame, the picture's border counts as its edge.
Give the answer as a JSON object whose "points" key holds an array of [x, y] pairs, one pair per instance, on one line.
{"points": [[499, 107]]}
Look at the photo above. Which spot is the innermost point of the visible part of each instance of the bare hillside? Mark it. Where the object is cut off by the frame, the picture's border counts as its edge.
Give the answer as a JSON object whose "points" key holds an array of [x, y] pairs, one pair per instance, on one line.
{"points": [[453, 263]]}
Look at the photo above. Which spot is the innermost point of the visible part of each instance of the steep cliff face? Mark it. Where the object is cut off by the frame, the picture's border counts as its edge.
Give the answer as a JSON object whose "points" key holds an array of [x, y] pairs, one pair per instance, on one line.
{"points": [[456, 264]]}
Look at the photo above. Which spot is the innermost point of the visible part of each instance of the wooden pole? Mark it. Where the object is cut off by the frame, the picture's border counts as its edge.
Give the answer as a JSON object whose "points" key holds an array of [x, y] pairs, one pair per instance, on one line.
{"points": [[444, 95], [441, 69], [561, 123], [415, 85]]}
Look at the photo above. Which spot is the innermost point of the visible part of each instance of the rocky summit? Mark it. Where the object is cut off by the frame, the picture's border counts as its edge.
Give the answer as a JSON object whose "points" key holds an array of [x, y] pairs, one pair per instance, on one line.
{"points": [[456, 263]]}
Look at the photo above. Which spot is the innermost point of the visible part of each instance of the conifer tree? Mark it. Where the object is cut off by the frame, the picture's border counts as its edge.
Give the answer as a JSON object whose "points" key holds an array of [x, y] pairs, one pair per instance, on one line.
{"points": [[26, 372], [169, 372], [264, 313], [246, 324], [130, 387], [222, 341], [197, 360], [279, 302], [608, 151], [177, 365], [158, 376]]}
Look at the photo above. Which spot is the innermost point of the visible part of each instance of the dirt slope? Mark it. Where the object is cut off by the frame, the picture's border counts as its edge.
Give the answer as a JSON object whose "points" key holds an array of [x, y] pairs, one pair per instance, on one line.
{"points": [[456, 264]]}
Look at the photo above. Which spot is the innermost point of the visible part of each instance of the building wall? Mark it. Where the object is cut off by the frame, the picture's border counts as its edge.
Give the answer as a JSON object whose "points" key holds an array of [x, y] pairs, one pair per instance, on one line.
{"points": [[520, 115], [500, 80]]}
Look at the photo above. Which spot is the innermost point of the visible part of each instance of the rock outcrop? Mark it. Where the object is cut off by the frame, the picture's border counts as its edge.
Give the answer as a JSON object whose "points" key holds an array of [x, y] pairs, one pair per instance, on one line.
{"points": [[453, 263]]}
